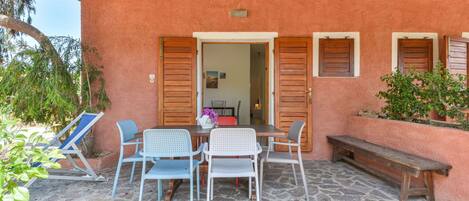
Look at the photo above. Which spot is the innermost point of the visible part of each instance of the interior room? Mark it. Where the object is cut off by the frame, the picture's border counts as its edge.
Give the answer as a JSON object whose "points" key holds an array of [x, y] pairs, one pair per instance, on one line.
{"points": [[234, 80]]}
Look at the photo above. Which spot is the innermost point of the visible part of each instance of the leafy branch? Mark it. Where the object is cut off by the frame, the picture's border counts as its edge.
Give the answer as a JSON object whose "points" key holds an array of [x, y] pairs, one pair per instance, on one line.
{"points": [[413, 95]]}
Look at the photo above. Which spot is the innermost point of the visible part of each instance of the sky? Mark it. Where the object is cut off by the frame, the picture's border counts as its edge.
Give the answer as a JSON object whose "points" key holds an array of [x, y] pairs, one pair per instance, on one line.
{"points": [[58, 17]]}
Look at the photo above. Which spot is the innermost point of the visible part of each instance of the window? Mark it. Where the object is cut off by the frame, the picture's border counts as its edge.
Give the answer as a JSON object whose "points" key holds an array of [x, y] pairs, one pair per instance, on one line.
{"points": [[418, 51], [336, 57], [336, 54], [415, 54]]}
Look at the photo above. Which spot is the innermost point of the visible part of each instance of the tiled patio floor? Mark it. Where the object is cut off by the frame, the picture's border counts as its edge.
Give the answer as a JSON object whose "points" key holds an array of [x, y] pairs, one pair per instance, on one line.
{"points": [[326, 181]]}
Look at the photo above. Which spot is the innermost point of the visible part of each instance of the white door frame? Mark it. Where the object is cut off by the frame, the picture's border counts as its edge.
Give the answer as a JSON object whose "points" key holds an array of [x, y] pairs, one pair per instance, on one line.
{"points": [[230, 37]]}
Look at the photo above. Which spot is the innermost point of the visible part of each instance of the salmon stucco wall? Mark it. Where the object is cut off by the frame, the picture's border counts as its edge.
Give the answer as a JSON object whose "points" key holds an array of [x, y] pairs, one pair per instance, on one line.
{"points": [[126, 35], [446, 145]]}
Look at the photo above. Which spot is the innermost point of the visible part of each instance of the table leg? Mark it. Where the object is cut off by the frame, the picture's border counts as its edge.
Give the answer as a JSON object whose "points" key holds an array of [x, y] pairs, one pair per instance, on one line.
{"points": [[269, 141], [173, 186]]}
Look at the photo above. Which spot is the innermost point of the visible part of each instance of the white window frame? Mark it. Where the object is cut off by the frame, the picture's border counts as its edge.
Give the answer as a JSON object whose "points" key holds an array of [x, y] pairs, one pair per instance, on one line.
{"points": [[337, 35], [412, 35], [465, 34]]}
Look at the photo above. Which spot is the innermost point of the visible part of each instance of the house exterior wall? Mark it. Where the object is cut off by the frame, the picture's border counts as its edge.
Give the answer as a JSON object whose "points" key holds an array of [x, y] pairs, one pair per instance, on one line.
{"points": [[126, 35]]}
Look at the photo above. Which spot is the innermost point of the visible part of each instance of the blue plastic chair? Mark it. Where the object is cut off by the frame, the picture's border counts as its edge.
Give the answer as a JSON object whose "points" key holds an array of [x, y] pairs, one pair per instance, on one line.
{"points": [[166, 144], [127, 131]]}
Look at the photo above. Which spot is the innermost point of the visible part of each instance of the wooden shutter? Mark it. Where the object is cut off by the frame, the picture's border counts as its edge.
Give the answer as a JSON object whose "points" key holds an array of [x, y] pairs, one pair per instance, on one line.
{"points": [[336, 57], [293, 85], [455, 55], [177, 81], [416, 54]]}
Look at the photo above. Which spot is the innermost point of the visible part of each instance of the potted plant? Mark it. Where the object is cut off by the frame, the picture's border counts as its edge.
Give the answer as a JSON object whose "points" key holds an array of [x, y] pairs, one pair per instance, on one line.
{"points": [[423, 97]]}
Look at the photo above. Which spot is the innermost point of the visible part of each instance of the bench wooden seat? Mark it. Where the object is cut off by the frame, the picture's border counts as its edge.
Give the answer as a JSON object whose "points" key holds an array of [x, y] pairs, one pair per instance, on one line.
{"points": [[409, 165]]}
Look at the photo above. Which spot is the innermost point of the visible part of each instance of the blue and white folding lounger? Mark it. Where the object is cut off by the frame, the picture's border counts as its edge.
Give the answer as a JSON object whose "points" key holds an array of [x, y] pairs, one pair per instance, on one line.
{"points": [[84, 122]]}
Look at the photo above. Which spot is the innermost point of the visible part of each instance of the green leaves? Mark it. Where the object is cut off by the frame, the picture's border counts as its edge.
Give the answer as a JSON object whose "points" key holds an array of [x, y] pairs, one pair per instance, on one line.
{"points": [[20, 193], [21, 160], [35, 91], [403, 97], [446, 94], [414, 95]]}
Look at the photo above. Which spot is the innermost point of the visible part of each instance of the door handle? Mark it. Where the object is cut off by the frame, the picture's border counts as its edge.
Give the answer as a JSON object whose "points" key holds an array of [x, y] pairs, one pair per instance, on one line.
{"points": [[310, 95]]}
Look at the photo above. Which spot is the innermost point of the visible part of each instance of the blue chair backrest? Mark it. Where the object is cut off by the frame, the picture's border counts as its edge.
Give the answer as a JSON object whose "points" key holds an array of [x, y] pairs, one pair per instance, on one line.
{"points": [[85, 120], [127, 130], [167, 143]]}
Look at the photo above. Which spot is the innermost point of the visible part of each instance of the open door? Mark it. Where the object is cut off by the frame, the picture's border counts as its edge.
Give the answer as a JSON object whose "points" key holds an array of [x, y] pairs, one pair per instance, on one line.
{"points": [[177, 81], [293, 86], [455, 55]]}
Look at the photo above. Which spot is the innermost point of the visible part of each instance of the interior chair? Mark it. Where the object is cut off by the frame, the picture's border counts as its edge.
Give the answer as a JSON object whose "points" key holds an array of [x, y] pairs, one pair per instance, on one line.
{"points": [[227, 121], [294, 140], [237, 111], [219, 104], [164, 146], [224, 145]]}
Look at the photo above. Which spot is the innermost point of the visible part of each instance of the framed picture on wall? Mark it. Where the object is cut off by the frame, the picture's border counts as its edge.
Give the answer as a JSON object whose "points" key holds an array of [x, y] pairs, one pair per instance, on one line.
{"points": [[212, 80], [222, 75]]}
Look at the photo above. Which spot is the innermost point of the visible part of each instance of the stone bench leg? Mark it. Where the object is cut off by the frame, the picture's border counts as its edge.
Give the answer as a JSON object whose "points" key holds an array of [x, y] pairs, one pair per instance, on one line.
{"points": [[427, 190], [405, 187], [337, 154]]}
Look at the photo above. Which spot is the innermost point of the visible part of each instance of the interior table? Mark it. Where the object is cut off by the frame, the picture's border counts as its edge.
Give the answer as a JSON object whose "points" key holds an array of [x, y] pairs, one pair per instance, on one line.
{"points": [[221, 110], [198, 131]]}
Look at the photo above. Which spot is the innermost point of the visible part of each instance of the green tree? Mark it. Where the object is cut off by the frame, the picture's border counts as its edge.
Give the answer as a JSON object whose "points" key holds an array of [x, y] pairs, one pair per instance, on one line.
{"points": [[15, 17], [50, 83]]}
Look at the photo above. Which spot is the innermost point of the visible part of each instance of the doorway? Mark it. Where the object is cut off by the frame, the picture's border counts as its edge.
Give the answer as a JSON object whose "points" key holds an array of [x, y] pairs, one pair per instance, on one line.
{"points": [[259, 84], [266, 38], [235, 80]]}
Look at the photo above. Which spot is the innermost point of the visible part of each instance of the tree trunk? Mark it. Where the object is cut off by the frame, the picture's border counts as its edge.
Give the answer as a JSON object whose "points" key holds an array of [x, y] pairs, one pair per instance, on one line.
{"points": [[42, 39]]}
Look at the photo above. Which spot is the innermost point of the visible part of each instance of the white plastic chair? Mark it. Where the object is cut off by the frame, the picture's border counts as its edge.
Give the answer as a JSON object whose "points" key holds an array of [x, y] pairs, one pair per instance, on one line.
{"points": [[294, 139], [224, 144], [169, 143]]}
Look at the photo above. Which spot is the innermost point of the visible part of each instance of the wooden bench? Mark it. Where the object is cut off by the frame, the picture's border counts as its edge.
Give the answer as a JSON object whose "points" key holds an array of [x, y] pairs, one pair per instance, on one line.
{"points": [[346, 147]]}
